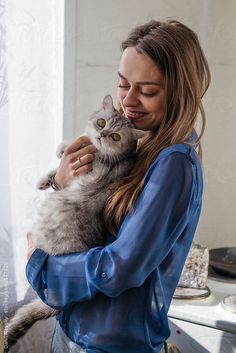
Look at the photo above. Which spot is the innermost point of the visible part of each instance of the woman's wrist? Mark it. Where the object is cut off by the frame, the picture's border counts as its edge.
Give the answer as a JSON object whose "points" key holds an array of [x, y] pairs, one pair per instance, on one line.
{"points": [[53, 183]]}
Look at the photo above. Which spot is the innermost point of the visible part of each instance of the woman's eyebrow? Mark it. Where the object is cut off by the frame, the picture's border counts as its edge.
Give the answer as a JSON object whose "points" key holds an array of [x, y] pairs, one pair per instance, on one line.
{"points": [[141, 82]]}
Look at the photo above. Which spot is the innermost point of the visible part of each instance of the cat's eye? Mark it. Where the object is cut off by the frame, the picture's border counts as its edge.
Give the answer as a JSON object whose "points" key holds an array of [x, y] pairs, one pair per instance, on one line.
{"points": [[115, 136], [101, 122]]}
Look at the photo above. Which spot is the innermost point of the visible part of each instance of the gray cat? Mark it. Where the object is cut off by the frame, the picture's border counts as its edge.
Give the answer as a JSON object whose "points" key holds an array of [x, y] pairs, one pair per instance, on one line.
{"points": [[70, 220]]}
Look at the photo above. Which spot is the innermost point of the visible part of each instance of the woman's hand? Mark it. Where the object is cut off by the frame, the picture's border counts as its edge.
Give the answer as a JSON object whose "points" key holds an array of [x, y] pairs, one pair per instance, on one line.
{"points": [[76, 160], [31, 246]]}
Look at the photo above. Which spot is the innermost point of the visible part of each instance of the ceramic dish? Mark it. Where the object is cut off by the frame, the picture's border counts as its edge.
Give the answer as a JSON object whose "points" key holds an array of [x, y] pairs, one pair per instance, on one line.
{"points": [[191, 293], [223, 260]]}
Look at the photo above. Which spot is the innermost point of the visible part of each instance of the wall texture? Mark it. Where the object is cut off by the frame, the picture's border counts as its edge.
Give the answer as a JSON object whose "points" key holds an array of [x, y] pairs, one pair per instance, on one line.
{"points": [[101, 25]]}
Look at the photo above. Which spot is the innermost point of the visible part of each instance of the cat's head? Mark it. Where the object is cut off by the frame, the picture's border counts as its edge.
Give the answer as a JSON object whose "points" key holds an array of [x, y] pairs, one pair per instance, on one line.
{"points": [[112, 134]]}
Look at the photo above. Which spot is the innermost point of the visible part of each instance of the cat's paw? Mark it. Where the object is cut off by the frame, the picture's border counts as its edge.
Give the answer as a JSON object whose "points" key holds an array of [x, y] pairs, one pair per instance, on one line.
{"points": [[43, 183], [61, 148]]}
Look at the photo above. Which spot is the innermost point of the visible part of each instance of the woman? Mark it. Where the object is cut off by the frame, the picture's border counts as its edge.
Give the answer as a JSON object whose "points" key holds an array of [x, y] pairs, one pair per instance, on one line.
{"points": [[115, 298]]}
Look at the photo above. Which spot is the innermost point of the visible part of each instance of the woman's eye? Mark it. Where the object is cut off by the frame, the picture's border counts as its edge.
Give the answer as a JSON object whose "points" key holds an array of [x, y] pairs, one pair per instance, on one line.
{"points": [[149, 94], [101, 122], [115, 136], [123, 86]]}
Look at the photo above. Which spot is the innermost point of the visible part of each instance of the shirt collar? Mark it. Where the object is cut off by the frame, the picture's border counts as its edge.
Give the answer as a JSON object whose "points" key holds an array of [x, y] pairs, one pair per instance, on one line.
{"points": [[193, 138]]}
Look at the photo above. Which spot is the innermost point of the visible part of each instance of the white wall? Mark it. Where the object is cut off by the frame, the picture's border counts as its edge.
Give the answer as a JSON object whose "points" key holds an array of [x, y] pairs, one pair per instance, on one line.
{"points": [[102, 24]]}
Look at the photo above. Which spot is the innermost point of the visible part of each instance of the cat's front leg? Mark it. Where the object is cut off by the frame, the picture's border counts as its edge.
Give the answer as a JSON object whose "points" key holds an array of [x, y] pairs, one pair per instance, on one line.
{"points": [[61, 148], [44, 181]]}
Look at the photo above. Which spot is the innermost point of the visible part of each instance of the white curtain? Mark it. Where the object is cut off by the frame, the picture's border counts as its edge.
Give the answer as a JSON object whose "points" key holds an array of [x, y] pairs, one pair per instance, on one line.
{"points": [[31, 99]]}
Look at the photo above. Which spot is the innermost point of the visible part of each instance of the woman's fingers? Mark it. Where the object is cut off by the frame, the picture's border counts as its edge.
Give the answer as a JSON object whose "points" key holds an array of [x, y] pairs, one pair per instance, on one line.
{"points": [[31, 246], [81, 153], [81, 161], [30, 240], [76, 160], [84, 169], [77, 145]]}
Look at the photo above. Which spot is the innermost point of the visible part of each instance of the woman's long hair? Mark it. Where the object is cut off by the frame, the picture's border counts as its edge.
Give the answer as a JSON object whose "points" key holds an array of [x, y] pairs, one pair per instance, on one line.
{"points": [[176, 51]]}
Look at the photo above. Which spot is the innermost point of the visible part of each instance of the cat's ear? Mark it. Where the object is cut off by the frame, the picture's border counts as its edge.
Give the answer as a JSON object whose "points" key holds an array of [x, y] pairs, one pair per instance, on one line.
{"points": [[139, 133], [107, 103]]}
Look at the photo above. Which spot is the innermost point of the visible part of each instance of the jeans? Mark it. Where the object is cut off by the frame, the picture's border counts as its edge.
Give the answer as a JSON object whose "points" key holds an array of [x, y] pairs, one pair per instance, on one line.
{"points": [[62, 344]]}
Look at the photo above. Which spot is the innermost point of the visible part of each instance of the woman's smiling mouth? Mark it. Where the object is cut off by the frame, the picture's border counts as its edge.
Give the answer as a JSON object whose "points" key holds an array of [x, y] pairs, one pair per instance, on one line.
{"points": [[133, 115]]}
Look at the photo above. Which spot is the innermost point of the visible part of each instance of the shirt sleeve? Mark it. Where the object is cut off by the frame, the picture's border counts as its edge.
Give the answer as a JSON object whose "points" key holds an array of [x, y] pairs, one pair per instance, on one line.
{"points": [[146, 236]]}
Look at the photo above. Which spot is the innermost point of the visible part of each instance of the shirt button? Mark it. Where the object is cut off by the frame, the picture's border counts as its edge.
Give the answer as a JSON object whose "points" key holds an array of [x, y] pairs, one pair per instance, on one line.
{"points": [[104, 275]]}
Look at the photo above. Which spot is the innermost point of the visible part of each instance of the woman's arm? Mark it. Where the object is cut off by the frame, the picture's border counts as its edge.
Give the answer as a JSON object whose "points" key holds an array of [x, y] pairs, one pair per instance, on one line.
{"points": [[161, 213]]}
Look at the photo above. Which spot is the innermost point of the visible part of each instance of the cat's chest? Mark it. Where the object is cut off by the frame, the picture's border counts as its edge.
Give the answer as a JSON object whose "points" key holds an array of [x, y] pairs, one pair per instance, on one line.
{"points": [[95, 176], [98, 175]]}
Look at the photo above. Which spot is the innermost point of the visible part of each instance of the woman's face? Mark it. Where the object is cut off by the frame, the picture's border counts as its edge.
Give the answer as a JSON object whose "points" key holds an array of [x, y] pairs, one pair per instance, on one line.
{"points": [[141, 89]]}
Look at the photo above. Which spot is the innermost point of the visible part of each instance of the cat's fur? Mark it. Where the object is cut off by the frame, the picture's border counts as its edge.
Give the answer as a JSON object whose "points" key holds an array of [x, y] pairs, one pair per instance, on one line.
{"points": [[70, 220]]}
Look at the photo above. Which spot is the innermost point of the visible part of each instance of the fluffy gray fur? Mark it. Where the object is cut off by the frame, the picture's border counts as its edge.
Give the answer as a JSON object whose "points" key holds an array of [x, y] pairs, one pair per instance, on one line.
{"points": [[70, 220]]}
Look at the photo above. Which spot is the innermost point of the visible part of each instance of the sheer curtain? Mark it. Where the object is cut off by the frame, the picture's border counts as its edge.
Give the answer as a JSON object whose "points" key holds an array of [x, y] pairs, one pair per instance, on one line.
{"points": [[31, 125]]}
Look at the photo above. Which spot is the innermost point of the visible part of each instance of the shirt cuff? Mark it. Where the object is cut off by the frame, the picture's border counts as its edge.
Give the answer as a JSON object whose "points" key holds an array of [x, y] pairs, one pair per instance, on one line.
{"points": [[34, 271]]}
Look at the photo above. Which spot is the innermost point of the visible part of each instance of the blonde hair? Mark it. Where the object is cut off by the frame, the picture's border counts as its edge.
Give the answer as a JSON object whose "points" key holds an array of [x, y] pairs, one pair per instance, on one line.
{"points": [[176, 51]]}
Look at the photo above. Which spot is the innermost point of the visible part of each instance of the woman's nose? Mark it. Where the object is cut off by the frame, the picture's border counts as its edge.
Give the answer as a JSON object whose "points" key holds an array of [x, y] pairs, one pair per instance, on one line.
{"points": [[131, 98]]}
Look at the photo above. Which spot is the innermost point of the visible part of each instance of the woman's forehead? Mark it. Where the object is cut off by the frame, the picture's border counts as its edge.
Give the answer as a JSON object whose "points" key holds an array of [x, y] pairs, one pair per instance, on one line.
{"points": [[138, 67]]}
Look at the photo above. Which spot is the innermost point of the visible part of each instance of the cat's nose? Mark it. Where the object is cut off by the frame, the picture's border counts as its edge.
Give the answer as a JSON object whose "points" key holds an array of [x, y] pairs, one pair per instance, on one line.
{"points": [[103, 134]]}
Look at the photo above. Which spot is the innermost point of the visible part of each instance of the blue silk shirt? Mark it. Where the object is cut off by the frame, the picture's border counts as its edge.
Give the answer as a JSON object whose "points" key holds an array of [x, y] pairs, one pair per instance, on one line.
{"points": [[114, 299]]}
